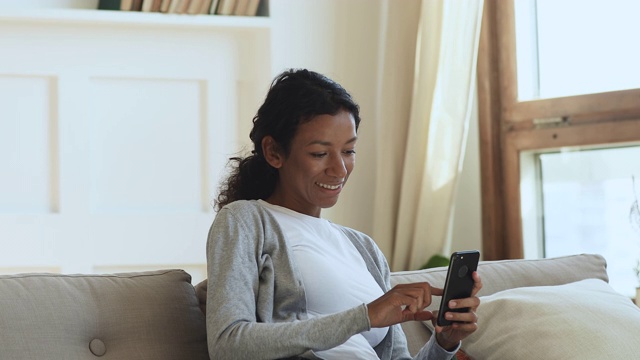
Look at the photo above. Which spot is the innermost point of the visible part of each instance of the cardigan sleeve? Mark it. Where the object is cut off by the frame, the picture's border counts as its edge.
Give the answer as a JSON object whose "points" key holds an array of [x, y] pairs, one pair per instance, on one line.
{"points": [[246, 317]]}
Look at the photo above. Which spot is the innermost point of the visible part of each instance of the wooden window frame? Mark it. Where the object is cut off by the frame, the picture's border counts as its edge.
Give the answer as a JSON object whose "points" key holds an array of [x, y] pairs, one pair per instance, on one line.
{"points": [[508, 127]]}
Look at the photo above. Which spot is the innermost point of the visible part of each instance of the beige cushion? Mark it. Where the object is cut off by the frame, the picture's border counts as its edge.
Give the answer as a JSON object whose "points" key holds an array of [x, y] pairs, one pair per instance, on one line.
{"points": [[149, 315], [581, 320], [506, 274]]}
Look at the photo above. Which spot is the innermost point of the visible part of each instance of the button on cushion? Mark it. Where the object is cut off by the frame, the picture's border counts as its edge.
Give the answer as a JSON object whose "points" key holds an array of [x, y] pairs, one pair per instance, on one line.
{"points": [[97, 347]]}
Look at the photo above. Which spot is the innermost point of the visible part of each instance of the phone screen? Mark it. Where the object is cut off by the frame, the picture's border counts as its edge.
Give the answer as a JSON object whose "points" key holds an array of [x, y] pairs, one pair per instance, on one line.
{"points": [[459, 282]]}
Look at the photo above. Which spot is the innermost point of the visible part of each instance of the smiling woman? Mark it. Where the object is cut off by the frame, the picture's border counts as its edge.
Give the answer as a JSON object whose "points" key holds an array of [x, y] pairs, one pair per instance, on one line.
{"points": [[282, 281]]}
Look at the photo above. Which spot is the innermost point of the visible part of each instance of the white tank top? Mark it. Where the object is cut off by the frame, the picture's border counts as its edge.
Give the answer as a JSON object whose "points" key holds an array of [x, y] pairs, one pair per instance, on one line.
{"points": [[334, 274]]}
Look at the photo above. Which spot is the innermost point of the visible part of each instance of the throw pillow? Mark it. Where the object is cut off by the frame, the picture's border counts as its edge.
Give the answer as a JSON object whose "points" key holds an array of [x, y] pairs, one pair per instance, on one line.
{"points": [[586, 319]]}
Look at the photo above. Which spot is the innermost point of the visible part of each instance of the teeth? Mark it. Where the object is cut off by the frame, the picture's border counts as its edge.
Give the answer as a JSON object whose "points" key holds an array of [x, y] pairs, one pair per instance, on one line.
{"points": [[330, 187]]}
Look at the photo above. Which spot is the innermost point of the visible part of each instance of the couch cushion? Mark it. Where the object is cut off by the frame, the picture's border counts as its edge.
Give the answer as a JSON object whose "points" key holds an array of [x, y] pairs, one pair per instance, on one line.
{"points": [[506, 274], [581, 320], [147, 315]]}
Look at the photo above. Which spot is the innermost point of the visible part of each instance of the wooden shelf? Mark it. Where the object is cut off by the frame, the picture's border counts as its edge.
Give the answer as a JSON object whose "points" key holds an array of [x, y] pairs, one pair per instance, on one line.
{"points": [[134, 19]]}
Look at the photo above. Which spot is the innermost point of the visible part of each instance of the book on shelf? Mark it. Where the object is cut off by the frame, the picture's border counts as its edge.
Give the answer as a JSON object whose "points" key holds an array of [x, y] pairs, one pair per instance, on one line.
{"points": [[206, 5], [184, 6], [151, 5], [252, 8], [164, 7], [241, 7], [115, 5], [194, 7], [214, 7], [146, 5], [173, 7], [226, 7], [179, 6], [136, 5], [246, 7]]}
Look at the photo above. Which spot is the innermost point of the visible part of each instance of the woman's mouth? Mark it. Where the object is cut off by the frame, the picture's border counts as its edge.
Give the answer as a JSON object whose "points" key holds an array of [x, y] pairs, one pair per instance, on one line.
{"points": [[329, 187]]}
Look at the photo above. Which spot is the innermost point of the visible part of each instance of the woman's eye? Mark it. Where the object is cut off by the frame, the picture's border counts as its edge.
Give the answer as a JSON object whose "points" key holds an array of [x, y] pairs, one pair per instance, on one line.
{"points": [[318, 155], [350, 152]]}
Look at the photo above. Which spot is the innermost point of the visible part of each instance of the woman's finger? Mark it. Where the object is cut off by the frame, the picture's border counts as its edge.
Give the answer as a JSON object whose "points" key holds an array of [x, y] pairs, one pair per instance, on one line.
{"points": [[471, 302], [466, 317], [402, 303], [420, 291], [477, 283]]}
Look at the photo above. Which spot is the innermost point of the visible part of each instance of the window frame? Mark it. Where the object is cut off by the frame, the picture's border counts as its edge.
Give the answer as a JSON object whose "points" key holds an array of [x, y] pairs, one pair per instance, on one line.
{"points": [[508, 127]]}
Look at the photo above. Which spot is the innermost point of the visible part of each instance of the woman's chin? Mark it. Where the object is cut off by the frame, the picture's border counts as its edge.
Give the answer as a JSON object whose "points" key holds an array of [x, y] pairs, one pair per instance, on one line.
{"points": [[328, 203]]}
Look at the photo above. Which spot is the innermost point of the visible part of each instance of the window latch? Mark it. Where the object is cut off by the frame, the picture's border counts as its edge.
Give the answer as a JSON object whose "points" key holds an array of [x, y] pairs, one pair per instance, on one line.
{"points": [[544, 123]]}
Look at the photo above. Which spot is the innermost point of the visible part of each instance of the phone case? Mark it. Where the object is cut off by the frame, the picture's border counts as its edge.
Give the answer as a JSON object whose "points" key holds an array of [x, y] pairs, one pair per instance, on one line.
{"points": [[459, 282]]}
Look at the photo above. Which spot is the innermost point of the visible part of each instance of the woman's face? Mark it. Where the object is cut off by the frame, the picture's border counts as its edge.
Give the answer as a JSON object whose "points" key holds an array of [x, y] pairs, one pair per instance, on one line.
{"points": [[321, 157]]}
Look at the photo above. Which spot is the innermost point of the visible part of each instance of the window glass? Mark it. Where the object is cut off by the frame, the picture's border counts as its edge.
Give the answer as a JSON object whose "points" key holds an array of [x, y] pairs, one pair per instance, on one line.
{"points": [[576, 47], [588, 202]]}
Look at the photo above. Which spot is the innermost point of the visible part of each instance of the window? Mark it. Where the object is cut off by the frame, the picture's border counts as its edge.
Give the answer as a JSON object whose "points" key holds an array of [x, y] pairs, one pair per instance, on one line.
{"points": [[559, 105], [575, 47], [586, 197]]}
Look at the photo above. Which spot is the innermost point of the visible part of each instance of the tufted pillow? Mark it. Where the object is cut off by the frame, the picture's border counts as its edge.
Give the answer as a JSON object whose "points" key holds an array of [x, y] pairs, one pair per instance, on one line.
{"points": [[502, 275], [147, 315], [582, 320]]}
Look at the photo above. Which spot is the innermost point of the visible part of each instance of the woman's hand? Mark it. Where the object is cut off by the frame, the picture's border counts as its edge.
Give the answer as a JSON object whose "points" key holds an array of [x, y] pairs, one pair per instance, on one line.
{"points": [[404, 302], [450, 336]]}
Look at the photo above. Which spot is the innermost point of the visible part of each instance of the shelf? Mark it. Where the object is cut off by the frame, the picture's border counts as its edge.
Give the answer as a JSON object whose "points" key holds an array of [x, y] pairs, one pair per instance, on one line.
{"points": [[135, 19]]}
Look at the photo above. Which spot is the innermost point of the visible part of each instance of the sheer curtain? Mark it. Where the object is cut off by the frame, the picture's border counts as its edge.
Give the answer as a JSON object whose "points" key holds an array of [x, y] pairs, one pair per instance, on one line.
{"points": [[419, 164]]}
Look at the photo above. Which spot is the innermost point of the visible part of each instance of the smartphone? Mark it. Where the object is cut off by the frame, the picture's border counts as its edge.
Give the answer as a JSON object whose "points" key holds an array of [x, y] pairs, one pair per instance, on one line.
{"points": [[459, 282]]}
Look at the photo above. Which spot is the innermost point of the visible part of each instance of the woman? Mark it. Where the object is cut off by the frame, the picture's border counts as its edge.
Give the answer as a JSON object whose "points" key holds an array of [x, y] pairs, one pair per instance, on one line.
{"points": [[285, 283]]}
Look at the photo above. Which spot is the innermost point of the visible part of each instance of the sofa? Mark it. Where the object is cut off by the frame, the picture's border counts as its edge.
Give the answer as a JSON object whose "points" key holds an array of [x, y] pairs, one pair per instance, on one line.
{"points": [[559, 308]]}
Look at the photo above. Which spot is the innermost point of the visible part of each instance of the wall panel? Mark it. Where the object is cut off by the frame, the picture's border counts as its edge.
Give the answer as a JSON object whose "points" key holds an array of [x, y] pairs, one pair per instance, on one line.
{"points": [[28, 145], [145, 145]]}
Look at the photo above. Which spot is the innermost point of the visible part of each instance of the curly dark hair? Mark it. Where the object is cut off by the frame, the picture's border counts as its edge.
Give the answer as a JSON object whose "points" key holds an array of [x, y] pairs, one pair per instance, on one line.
{"points": [[296, 96]]}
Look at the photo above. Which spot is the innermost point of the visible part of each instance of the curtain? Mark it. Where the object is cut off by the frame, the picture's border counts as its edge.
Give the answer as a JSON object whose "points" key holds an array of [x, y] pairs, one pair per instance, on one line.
{"points": [[421, 153]]}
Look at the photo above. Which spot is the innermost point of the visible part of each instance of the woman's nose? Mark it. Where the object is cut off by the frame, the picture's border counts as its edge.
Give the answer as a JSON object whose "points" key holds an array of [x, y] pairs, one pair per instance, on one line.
{"points": [[337, 167]]}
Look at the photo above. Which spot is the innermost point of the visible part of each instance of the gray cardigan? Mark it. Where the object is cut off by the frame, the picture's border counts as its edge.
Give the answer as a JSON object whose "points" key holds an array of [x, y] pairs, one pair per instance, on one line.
{"points": [[256, 301]]}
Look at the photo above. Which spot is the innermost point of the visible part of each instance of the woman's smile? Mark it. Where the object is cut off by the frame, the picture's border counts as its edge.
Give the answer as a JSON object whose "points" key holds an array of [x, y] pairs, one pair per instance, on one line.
{"points": [[330, 187]]}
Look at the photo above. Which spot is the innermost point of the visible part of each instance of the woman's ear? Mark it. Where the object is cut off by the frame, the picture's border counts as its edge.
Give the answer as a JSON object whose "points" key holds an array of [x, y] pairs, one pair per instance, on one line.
{"points": [[272, 152]]}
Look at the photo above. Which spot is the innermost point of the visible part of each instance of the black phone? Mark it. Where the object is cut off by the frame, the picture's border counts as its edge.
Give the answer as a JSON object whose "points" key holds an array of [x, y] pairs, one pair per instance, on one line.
{"points": [[459, 282]]}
